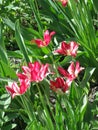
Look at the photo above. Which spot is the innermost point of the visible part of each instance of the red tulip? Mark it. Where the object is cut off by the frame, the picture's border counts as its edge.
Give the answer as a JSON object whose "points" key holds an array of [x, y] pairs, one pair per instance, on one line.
{"points": [[68, 49], [72, 72], [14, 89], [59, 84], [46, 40]]}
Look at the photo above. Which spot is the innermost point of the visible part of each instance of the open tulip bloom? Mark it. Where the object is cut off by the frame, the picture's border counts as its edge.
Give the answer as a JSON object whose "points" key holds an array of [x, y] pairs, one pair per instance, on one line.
{"points": [[68, 49], [69, 75], [47, 38], [35, 72], [72, 72], [47, 84], [59, 84], [14, 89]]}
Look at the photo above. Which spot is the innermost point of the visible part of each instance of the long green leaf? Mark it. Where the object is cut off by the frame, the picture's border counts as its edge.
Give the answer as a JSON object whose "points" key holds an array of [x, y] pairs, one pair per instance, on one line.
{"points": [[8, 22], [88, 73], [20, 41], [7, 70], [95, 4], [1, 36], [3, 55], [36, 14]]}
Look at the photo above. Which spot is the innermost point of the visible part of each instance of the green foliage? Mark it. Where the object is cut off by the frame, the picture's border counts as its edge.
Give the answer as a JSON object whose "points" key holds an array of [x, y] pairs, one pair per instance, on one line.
{"points": [[5, 120], [40, 108], [20, 42]]}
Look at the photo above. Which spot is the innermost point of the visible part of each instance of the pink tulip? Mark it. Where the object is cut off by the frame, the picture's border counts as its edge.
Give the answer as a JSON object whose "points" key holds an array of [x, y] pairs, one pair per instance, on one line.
{"points": [[59, 84], [14, 89], [34, 72], [72, 72], [75, 69], [46, 40], [68, 49]]}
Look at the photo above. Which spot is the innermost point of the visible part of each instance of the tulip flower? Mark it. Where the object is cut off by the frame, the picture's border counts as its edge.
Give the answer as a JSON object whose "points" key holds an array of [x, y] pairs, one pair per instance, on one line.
{"points": [[34, 72], [68, 49], [14, 89], [72, 72], [46, 40], [64, 2], [59, 84]]}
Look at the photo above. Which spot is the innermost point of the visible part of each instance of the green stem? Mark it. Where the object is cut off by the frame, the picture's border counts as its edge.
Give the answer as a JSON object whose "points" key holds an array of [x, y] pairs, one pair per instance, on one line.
{"points": [[53, 62], [28, 108], [49, 122]]}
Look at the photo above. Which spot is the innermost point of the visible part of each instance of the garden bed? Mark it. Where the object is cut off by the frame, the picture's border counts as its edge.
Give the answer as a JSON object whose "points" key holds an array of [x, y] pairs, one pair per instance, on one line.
{"points": [[49, 65]]}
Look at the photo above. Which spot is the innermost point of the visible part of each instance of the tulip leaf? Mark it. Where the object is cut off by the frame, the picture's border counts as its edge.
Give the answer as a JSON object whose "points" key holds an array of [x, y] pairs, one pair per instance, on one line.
{"points": [[7, 70], [95, 4], [67, 59], [88, 73], [9, 23], [36, 15], [3, 55], [5, 101], [35, 126], [20, 41], [1, 36], [29, 34], [9, 127]]}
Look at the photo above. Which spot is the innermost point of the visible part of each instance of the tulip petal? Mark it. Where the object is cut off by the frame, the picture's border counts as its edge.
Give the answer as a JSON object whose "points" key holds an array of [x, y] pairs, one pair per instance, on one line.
{"points": [[63, 72]]}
